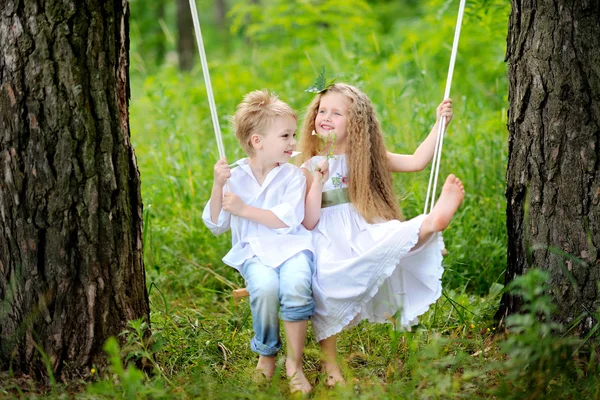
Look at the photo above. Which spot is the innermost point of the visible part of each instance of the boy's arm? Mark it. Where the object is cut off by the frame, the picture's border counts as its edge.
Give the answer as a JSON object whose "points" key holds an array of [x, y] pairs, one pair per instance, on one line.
{"points": [[424, 153], [222, 223], [216, 203], [222, 172], [235, 206], [284, 217], [263, 217], [213, 216], [291, 209]]}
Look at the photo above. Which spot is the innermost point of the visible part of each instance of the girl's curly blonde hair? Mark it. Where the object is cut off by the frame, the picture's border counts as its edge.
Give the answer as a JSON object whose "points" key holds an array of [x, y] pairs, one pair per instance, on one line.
{"points": [[370, 187]]}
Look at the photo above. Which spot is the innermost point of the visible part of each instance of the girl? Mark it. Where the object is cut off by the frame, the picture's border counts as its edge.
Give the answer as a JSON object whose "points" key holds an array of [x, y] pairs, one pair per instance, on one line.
{"points": [[271, 248], [369, 265]]}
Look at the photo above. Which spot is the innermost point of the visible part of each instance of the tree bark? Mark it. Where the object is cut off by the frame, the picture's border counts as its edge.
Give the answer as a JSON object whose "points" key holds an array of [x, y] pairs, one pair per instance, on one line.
{"points": [[161, 49], [185, 36], [71, 267], [553, 175], [220, 14]]}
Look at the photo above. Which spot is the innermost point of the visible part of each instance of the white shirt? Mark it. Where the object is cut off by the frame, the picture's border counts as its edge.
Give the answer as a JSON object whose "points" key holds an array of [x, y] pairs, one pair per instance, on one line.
{"points": [[282, 192]]}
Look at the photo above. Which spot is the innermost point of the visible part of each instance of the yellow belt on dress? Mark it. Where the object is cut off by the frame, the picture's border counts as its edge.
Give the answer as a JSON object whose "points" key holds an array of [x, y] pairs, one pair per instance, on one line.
{"points": [[334, 197]]}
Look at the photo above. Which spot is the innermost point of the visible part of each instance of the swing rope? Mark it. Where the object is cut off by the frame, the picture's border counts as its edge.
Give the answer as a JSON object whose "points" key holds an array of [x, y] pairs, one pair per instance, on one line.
{"points": [[209, 92], [211, 98], [437, 155], [217, 128]]}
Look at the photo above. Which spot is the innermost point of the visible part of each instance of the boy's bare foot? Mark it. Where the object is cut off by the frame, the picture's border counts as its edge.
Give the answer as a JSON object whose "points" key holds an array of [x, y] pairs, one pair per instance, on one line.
{"points": [[334, 374], [298, 382], [452, 195], [265, 368]]}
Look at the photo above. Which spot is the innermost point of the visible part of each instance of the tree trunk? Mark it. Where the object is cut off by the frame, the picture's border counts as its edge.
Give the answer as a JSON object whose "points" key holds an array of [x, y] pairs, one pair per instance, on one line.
{"points": [[553, 176], [71, 268], [161, 48], [185, 35], [220, 13]]}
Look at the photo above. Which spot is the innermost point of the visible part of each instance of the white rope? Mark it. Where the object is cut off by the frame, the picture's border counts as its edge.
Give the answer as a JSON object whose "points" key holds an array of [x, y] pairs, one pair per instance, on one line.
{"points": [[211, 98], [437, 155], [209, 92]]}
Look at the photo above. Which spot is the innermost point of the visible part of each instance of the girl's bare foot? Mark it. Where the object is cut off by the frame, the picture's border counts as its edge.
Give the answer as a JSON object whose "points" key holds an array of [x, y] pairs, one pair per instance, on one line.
{"points": [[452, 195], [298, 382], [334, 374], [265, 368]]}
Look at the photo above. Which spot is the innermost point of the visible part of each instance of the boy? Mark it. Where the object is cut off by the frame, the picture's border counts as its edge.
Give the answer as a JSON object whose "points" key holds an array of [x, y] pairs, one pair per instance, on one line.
{"points": [[270, 247]]}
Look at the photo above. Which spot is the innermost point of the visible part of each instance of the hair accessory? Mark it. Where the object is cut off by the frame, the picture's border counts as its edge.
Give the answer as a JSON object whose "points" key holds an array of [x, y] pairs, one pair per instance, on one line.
{"points": [[320, 84]]}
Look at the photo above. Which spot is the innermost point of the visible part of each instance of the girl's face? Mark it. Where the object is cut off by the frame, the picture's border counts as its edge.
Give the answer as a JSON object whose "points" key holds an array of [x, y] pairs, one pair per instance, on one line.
{"points": [[332, 116]]}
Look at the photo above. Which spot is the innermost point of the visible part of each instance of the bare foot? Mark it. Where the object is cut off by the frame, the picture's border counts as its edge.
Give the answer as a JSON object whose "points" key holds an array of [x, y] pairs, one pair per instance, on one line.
{"points": [[265, 368], [298, 382], [452, 195], [334, 374]]}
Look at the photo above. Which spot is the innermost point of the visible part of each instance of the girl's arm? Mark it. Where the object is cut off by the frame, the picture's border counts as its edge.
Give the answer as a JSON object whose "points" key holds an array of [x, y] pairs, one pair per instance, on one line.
{"points": [[312, 213], [424, 153]]}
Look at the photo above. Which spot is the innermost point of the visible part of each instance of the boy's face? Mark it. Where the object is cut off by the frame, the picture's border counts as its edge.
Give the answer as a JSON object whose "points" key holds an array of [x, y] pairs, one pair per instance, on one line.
{"points": [[332, 115], [277, 143]]}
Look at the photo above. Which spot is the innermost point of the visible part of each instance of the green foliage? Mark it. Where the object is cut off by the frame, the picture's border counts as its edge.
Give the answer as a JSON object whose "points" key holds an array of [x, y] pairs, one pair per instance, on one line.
{"points": [[541, 359], [153, 31], [403, 73], [301, 23], [398, 53]]}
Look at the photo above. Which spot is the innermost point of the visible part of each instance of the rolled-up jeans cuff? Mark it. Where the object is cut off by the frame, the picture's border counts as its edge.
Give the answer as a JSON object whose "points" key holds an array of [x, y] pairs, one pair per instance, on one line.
{"points": [[294, 314], [262, 349]]}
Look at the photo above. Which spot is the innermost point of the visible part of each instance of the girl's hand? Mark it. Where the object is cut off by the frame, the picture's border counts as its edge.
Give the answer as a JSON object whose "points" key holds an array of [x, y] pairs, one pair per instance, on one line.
{"points": [[322, 171], [445, 110], [233, 204], [222, 172]]}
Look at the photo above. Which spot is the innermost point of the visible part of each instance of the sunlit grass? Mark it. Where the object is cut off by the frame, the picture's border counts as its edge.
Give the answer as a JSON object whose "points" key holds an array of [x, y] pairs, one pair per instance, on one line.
{"points": [[205, 333], [199, 345]]}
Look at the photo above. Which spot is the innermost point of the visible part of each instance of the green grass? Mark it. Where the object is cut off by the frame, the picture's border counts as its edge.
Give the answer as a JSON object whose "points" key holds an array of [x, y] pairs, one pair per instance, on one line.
{"points": [[455, 352], [199, 346]]}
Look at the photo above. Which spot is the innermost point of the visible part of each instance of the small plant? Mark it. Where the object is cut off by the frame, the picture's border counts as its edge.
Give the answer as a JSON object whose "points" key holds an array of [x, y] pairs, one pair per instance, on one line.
{"points": [[141, 348], [328, 143], [538, 355]]}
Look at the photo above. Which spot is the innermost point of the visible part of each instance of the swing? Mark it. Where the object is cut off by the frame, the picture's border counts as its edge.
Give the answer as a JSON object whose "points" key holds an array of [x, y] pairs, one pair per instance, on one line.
{"points": [[437, 155]]}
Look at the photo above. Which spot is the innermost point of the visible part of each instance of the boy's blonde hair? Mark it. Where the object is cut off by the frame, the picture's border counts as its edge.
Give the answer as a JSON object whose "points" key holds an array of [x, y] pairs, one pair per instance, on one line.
{"points": [[370, 186], [255, 113]]}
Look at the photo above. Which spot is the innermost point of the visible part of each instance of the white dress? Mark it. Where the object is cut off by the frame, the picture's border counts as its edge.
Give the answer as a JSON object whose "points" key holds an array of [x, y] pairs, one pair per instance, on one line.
{"points": [[367, 271]]}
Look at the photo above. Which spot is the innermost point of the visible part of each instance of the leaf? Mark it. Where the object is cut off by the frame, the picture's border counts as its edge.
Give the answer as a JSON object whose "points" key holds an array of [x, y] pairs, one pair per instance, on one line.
{"points": [[319, 84]]}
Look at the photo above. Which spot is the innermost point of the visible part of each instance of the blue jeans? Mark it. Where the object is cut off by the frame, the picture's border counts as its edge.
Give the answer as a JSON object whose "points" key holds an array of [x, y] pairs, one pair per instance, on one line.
{"points": [[286, 288]]}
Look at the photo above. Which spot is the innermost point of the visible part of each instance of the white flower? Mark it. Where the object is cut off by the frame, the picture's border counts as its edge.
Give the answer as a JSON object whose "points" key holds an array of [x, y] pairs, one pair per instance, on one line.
{"points": [[313, 133]]}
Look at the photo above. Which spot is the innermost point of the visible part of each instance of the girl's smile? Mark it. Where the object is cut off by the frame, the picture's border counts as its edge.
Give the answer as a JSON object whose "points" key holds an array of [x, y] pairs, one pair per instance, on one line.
{"points": [[327, 127], [332, 114]]}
